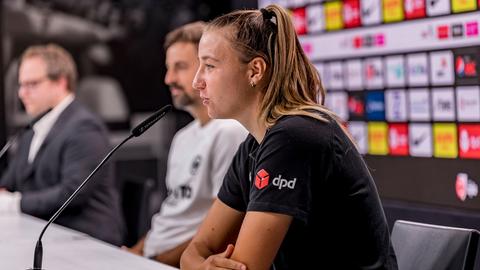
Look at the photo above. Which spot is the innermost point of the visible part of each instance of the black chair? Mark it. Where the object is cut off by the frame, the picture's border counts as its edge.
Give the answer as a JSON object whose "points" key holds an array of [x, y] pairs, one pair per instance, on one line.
{"points": [[421, 246], [136, 194]]}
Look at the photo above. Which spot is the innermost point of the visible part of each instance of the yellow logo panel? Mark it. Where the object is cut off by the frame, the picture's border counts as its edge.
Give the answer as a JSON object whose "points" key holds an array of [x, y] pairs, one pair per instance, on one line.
{"points": [[463, 5], [393, 10], [377, 138], [333, 15], [445, 141]]}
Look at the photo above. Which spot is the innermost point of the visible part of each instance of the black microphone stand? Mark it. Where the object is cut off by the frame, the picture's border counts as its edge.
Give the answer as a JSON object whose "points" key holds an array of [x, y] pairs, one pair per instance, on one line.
{"points": [[137, 131], [20, 132]]}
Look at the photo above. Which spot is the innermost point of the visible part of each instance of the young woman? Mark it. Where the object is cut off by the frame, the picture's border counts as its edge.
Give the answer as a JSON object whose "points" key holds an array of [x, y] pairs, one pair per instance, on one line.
{"points": [[298, 195]]}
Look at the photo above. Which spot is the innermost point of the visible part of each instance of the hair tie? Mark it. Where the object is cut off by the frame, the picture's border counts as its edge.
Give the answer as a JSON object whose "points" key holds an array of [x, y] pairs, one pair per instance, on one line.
{"points": [[268, 15]]}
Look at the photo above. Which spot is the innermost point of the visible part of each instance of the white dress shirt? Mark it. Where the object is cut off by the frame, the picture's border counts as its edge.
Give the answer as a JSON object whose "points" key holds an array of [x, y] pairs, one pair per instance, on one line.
{"points": [[44, 125]]}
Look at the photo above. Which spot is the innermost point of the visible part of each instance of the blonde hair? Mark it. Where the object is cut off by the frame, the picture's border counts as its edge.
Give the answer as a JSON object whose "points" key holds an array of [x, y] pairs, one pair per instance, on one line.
{"points": [[59, 62], [293, 85]]}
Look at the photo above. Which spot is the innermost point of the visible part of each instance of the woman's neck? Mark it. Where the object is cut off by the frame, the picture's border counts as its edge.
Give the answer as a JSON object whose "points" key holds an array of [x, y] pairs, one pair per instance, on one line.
{"points": [[252, 121]]}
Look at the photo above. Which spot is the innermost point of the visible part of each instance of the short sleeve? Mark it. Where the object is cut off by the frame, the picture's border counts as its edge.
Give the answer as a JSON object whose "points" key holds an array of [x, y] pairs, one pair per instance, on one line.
{"points": [[225, 147], [233, 191], [282, 175]]}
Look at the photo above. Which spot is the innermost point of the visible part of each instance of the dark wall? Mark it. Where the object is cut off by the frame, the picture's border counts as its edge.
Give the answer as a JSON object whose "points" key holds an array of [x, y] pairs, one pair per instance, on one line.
{"points": [[2, 94]]}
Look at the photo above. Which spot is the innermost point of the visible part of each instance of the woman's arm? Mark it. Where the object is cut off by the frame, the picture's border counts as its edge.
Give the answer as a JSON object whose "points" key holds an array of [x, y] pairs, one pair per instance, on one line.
{"points": [[259, 239], [256, 244], [210, 246]]}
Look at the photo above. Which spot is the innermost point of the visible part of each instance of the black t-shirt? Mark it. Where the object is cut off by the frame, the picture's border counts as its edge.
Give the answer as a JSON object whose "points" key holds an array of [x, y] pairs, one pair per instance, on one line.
{"points": [[310, 170]]}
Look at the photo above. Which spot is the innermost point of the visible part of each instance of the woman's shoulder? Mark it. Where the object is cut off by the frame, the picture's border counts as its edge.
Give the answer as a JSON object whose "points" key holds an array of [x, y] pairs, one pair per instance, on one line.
{"points": [[304, 125]]}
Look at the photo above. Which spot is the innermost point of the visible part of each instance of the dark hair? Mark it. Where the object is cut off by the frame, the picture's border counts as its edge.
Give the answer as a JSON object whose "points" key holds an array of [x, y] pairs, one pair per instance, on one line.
{"points": [[191, 32]]}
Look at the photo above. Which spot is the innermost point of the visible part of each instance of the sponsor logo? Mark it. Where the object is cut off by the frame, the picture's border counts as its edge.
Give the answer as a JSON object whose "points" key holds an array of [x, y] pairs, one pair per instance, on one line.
{"points": [[441, 68], [307, 47], [375, 108], [354, 75], [471, 29], [371, 13], [417, 69], [443, 31], [368, 41], [420, 140], [396, 105], [373, 73], [299, 21], [377, 138], [457, 30], [419, 105], [445, 140], [284, 183], [337, 102], [395, 71], [178, 193], [315, 21], [469, 141], [335, 71], [465, 187], [356, 106], [467, 66], [392, 11], [358, 130], [333, 15], [414, 9], [443, 106], [398, 139], [261, 179], [438, 7], [195, 164], [463, 5], [351, 13], [468, 103]]}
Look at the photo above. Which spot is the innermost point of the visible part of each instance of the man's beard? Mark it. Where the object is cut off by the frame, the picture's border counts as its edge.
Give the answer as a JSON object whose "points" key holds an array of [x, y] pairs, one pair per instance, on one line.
{"points": [[182, 100]]}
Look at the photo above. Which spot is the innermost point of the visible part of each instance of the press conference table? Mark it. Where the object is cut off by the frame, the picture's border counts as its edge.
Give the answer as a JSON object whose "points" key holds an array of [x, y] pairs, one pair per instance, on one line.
{"points": [[62, 248]]}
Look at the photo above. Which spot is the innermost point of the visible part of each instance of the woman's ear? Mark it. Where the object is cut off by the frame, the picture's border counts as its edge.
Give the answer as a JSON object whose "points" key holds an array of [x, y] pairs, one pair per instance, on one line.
{"points": [[257, 69]]}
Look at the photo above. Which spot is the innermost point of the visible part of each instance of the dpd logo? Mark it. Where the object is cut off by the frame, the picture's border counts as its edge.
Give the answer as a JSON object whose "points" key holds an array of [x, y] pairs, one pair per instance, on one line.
{"points": [[281, 182], [261, 179]]}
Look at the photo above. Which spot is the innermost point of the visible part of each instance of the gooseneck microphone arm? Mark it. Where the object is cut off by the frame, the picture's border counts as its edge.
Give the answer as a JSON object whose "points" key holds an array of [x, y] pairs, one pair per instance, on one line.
{"points": [[135, 132], [20, 132]]}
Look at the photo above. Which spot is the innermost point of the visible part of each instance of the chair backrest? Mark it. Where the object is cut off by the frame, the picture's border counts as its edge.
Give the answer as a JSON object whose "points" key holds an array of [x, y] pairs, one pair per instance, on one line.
{"points": [[135, 203], [431, 247], [104, 96]]}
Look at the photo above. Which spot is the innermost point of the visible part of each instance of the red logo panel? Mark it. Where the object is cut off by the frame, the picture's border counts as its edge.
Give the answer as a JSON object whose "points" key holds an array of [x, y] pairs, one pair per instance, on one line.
{"points": [[300, 21], [469, 141], [261, 179], [351, 13], [398, 139]]}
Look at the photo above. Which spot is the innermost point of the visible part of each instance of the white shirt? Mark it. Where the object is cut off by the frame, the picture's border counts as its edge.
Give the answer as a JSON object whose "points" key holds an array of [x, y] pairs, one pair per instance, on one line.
{"points": [[198, 161], [44, 125]]}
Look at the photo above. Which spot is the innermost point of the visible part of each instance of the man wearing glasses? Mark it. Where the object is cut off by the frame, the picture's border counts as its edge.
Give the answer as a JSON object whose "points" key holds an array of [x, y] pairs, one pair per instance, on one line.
{"points": [[59, 152]]}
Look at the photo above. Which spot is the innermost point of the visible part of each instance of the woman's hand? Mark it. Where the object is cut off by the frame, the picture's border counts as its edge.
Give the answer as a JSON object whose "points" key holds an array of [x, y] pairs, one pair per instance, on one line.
{"points": [[222, 261]]}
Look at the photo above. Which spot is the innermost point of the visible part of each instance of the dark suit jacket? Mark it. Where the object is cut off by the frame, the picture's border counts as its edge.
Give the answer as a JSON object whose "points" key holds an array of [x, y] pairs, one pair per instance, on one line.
{"points": [[74, 146]]}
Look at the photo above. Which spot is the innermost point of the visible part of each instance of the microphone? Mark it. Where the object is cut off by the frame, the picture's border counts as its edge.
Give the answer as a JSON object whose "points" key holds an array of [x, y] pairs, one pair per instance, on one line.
{"points": [[21, 131], [135, 132]]}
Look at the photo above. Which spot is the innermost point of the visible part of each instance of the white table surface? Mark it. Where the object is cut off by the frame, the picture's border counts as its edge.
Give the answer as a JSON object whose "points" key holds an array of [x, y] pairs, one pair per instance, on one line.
{"points": [[63, 249]]}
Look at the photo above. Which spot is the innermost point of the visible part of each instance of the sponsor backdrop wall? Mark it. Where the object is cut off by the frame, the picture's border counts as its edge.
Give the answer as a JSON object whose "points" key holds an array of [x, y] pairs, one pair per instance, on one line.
{"points": [[404, 75]]}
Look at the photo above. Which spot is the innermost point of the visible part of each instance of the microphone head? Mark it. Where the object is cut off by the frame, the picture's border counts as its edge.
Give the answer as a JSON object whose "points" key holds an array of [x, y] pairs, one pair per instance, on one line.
{"points": [[150, 121]]}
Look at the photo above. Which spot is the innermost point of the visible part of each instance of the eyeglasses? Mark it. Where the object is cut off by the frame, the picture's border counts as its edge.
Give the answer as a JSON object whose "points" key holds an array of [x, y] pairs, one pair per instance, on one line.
{"points": [[32, 84]]}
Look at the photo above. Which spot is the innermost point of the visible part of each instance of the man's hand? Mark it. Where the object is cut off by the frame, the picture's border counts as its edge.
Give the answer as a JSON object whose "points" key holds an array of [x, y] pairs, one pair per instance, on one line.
{"points": [[10, 202]]}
